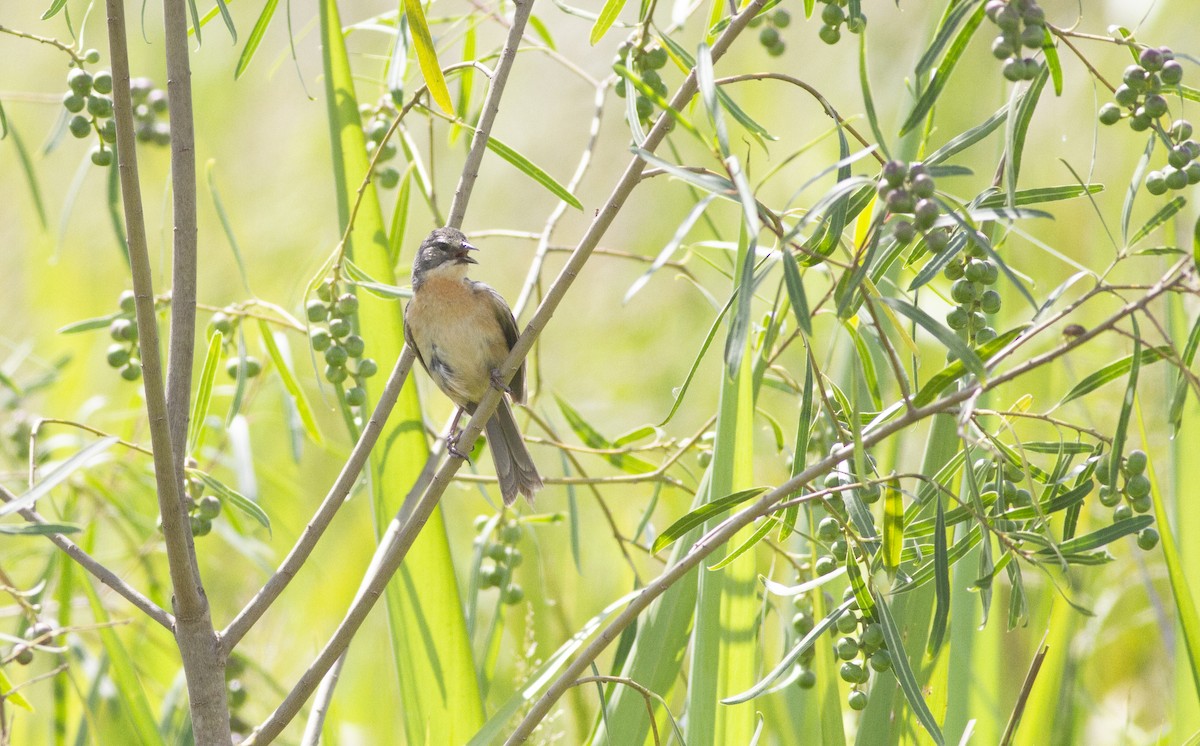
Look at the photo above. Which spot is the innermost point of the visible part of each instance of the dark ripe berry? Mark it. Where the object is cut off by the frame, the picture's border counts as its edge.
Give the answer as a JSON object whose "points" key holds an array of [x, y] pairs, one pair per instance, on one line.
{"points": [[1138, 485], [894, 172], [1122, 513], [830, 34], [209, 507], [1135, 77], [985, 335], [1156, 183], [964, 291], [127, 301], [993, 8], [1181, 129], [782, 19], [1001, 49], [339, 328], [1008, 19], [926, 211], [1108, 497], [656, 59], [777, 50], [1147, 538], [1155, 106], [80, 126], [347, 304], [1172, 73], [1175, 178], [356, 396], [73, 102], [1193, 172], [644, 107], [915, 170], [807, 679], [354, 345], [22, 654], [1110, 113], [922, 185], [102, 82], [825, 565], [832, 14], [1151, 59], [990, 301], [334, 374], [1179, 156], [1140, 121], [1033, 36], [1125, 96], [937, 241], [367, 367], [132, 370], [953, 270], [118, 355], [903, 231], [1013, 70], [900, 201], [769, 36], [102, 156], [80, 81], [957, 319], [316, 311], [336, 356], [100, 106], [881, 660]]}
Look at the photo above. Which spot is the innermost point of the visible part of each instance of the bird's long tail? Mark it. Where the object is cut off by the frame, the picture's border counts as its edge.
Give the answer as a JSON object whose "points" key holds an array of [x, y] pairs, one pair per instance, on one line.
{"points": [[514, 466]]}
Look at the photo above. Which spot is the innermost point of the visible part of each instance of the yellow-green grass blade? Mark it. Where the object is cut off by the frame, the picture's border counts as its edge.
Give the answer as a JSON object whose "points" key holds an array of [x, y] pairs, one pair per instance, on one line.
{"points": [[425, 595]]}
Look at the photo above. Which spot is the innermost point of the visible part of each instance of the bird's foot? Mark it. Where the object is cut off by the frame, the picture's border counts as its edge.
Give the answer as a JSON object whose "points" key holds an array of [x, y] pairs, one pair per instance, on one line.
{"points": [[498, 382], [453, 449]]}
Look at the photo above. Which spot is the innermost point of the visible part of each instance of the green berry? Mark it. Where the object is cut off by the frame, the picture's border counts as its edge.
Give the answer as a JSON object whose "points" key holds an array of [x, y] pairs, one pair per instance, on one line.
{"points": [[1155, 106], [985, 335], [954, 270], [80, 126], [102, 156], [336, 356], [807, 679], [1122, 513], [1151, 59], [1192, 170], [990, 301], [73, 102], [1110, 113], [335, 374], [100, 106], [781, 18], [513, 595], [825, 564], [367, 367], [209, 507], [846, 624], [117, 355], [644, 107], [830, 34], [1137, 486], [829, 528], [1135, 462], [91, 56], [102, 82], [389, 177], [200, 526], [320, 340], [123, 330], [847, 647], [850, 672], [1175, 178], [777, 50], [855, 24], [355, 346], [1181, 129], [1147, 538], [1136, 77], [1013, 70], [1172, 73], [655, 59], [339, 328], [976, 270], [881, 660], [1033, 36], [316, 311], [356, 396], [132, 370], [832, 15], [857, 700], [1001, 48], [1141, 504], [127, 302], [80, 81], [1108, 496], [769, 36], [1125, 96], [802, 623], [325, 290], [957, 319], [1156, 183], [872, 636], [964, 291], [347, 304]]}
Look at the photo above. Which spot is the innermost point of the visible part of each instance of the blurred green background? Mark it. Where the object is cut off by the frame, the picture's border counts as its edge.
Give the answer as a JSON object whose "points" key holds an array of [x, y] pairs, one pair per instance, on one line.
{"points": [[264, 141]]}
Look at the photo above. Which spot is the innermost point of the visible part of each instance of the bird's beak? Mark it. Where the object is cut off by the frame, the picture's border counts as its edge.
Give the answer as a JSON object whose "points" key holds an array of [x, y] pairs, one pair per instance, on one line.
{"points": [[464, 257]]}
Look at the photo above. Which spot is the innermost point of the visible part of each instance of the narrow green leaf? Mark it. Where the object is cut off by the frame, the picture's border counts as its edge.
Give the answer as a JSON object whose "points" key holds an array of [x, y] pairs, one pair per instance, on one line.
{"points": [[1018, 128], [38, 529], [759, 534], [129, 692], [636, 81], [592, 438], [208, 374], [1052, 61], [858, 582], [427, 56], [58, 475], [942, 75], [233, 497], [525, 166], [55, 6], [701, 515], [27, 169], [100, 322], [1135, 184], [893, 525], [196, 24], [6, 686], [949, 339], [903, 669], [1175, 415], [1165, 213], [672, 246], [949, 23], [539, 27], [608, 15], [228, 19], [964, 140], [288, 377], [256, 37], [1040, 195], [795, 289], [1113, 371], [687, 381], [941, 582], [864, 82], [1097, 539], [226, 224]]}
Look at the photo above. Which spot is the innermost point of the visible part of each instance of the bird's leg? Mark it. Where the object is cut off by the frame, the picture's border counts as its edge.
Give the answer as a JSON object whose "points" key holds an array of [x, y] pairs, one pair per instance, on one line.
{"points": [[498, 382], [452, 438]]}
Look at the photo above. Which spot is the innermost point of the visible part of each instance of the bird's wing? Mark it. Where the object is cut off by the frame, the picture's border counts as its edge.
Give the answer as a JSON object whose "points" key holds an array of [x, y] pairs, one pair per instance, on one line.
{"points": [[504, 317], [408, 338]]}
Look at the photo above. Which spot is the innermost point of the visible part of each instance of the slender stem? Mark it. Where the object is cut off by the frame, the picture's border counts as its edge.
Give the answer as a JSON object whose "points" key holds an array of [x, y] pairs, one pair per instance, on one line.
{"points": [[334, 500], [102, 573], [491, 107]]}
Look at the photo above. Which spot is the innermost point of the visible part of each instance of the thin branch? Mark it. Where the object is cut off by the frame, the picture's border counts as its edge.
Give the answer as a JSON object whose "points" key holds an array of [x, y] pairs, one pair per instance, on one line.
{"points": [[101, 573]]}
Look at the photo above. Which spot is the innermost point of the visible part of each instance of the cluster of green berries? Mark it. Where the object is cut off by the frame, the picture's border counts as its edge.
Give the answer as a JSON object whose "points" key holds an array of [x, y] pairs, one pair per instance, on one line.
{"points": [[376, 129], [226, 323], [1004, 479], [833, 15], [829, 529], [1134, 494], [646, 63], [149, 106], [89, 100], [973, 274], [202, 508], [769, 37], [858, 643], [38, 633], [332, 315], [907, 191], [1022, 25], [123, 352], [502, 558]]}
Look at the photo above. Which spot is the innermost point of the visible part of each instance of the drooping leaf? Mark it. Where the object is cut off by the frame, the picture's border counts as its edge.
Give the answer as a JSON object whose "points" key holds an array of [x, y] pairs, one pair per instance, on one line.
{"points": [[702, 514], [942, 75], [427, 55], [1113, 371], [530, 169]]}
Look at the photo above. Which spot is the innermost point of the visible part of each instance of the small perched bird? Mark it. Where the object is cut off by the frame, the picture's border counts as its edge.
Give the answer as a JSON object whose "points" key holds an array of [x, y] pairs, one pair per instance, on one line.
{"points": [[462, 331]]}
